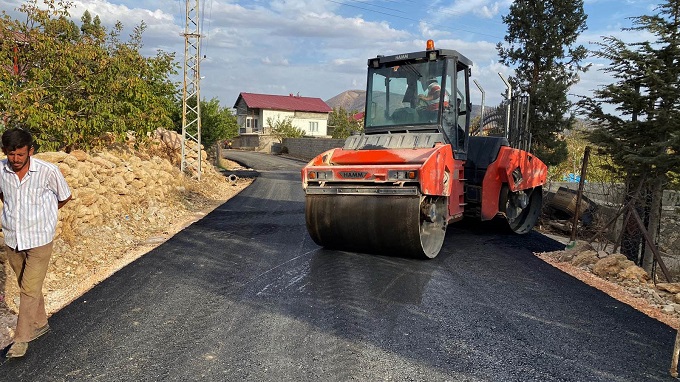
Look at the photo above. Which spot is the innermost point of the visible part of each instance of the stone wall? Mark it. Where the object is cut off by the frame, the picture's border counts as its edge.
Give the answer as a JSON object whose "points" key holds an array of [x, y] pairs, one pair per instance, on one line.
{"points": [[125, 198], [109, 185], [308, 148], [256, 142]]}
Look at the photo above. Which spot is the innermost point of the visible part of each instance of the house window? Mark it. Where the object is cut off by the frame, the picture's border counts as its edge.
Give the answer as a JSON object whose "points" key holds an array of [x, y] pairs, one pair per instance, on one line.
{"points": [[251, 123], [314, 127]]}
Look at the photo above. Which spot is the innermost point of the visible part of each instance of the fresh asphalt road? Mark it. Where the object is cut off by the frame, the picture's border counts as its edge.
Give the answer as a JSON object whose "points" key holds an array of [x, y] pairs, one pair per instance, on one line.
{"points": [[244, 294]]}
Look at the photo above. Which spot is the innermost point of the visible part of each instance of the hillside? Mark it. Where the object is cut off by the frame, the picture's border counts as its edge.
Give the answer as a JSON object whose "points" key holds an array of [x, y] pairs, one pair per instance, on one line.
{"points": [[350, 100]]}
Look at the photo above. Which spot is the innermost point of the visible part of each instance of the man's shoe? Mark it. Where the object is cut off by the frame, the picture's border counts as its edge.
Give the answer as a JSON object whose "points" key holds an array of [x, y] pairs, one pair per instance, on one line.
{"points": [[40, 332], [18, 349]]}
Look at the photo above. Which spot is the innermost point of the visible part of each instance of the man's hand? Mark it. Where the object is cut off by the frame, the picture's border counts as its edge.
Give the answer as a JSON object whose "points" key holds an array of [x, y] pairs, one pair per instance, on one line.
{"points": [[61, 204]]}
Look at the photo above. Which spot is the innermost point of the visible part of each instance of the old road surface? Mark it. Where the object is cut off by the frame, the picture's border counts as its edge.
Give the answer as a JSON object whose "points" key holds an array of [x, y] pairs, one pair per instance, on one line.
{"points": [[244, 294]]}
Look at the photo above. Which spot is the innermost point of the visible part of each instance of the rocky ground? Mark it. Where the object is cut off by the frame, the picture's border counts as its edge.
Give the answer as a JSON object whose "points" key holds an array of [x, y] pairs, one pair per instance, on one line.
{"points": [[129, 200], [620, 278]]}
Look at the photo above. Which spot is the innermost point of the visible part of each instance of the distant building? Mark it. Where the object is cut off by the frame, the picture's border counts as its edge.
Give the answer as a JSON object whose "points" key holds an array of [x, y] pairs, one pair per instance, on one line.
{"points": [[20, 40], [306, 113]]}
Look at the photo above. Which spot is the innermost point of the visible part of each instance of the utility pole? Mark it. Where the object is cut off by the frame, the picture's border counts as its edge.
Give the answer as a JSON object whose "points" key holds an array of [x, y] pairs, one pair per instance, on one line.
{"points": [[191, 95]]}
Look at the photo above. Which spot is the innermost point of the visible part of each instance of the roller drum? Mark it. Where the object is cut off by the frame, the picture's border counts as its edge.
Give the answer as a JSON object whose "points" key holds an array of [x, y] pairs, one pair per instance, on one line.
{"points": [[380, 224]]}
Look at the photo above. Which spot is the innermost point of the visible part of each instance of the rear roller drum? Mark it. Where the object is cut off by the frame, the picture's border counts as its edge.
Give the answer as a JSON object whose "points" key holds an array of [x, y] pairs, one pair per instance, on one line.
{"points": [[523, 208], [390, 225]]}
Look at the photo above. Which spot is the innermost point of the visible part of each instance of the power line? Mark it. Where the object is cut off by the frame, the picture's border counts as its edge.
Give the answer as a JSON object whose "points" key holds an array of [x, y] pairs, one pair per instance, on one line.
{"points": [[412, 19], [204, 45], [376, 6]]}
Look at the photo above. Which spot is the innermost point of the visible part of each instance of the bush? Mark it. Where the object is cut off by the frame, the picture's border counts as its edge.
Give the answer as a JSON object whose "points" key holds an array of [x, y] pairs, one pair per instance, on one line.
{"points": [[283, 128]]}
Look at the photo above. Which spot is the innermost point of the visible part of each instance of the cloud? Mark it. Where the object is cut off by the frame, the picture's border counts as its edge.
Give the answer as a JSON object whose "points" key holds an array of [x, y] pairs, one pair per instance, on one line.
{"points": [[320, 48], [294, 7], [481, 8], [110, 13]]}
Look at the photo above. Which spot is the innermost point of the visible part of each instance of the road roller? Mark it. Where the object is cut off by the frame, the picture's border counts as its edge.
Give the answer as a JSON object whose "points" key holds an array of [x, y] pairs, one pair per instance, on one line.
{"points": [[394, 188]]}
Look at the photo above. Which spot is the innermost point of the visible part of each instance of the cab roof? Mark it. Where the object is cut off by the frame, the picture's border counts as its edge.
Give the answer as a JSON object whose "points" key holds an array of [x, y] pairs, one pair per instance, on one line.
{"points": [[441, 53]]}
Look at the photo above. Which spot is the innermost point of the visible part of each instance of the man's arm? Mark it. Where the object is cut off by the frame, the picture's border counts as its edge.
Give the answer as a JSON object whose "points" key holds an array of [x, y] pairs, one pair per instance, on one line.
{"points": [[59, 204]]}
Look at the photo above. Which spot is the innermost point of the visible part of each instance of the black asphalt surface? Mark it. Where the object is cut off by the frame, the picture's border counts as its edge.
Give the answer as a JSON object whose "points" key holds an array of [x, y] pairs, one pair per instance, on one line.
{"points": [[244, 294]]}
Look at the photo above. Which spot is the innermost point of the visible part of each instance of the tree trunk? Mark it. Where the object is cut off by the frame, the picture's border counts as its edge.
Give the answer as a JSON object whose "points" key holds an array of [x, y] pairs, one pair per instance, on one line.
{"points": [[631, 237], [654, 221]]}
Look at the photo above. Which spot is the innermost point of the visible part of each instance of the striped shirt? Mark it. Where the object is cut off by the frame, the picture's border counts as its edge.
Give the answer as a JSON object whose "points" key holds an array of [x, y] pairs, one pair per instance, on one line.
{"points": [[29, 211]]}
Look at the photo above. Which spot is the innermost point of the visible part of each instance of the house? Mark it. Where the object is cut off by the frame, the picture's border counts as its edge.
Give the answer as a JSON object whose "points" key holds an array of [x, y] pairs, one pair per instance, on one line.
{"points": [[20, 41], [253, 111]]}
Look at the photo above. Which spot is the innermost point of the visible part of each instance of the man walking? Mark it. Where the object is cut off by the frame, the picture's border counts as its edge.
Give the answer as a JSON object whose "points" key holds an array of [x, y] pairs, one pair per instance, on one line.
{"points": [[32, 191]]}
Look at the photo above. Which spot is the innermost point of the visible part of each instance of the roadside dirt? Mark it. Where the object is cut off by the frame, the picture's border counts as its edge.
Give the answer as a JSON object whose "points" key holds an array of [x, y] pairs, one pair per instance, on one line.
{"points": [[650, 305]]}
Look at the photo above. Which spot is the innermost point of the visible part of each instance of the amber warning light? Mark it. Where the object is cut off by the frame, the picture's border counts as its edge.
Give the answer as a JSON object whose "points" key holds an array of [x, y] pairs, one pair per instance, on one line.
{"points": [[430, 45]]}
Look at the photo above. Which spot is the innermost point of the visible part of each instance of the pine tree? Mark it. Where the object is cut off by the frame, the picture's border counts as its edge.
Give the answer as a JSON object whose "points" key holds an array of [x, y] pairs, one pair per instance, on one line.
{"points": [[540, 44], [644, 135]]}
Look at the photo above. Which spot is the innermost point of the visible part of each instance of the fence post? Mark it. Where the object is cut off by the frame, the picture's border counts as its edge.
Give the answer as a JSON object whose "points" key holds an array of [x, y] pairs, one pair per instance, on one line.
{"points": [[676, 352], [581, 182]]}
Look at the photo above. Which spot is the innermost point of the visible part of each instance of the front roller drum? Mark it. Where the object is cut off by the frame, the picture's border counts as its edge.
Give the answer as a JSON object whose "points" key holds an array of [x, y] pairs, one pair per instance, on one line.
{"points": [[397, 225]]}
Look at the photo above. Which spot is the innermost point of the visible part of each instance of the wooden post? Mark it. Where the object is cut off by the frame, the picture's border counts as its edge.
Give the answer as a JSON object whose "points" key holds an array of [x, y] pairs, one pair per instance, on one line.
{"points": [[651, 245], [676, 352], [579, 194]]}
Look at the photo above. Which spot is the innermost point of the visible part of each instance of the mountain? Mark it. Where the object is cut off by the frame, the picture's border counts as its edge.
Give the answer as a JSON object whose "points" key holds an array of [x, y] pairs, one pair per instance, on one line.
{"points": [[350, 100]]}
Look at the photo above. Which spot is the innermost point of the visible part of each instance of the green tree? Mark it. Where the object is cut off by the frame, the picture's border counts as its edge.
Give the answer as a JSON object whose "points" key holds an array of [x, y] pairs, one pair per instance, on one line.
{"points": [[283, 128], [92, 27], [342, 123], [643, 136], [601, 168], [217, 123], [75, 84], [540, 43]]}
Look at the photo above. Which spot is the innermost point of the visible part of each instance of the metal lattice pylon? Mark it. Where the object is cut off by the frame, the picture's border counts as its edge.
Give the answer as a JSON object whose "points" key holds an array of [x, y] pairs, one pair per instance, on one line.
{"points": [[191, 99]]}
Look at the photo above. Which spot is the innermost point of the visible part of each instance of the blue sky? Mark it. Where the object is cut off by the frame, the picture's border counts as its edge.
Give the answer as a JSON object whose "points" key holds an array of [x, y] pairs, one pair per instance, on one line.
{"points": [[319, 48]]}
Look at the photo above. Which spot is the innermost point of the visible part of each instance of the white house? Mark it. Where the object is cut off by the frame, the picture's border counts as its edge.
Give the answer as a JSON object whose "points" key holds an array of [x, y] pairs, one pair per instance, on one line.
{"points": [[306, 113]]}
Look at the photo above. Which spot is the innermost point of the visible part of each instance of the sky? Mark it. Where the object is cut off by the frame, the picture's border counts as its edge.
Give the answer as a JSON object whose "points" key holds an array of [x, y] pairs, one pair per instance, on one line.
{"points": [[320, 48]]}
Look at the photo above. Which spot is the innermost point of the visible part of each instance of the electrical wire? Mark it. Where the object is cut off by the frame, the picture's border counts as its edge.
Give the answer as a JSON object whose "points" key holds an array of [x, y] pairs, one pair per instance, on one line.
{"points": [[376, 6], [412, 19], [207, 35]]}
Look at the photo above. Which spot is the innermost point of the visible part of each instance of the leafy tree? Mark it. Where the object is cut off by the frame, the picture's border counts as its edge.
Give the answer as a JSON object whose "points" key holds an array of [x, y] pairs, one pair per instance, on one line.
{"points": [[601, 168], [283, 128], [342, 123], [540, 43], [74, 84], [644, 135], [92, 27], [217, 123]]}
